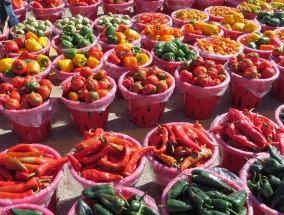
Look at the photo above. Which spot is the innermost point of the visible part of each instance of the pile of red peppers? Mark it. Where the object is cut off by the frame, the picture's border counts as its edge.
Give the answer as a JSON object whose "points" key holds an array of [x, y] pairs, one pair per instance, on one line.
{"points": [[181, 145], [105, 157], [46, 3], [26, 170], [249, 132]]}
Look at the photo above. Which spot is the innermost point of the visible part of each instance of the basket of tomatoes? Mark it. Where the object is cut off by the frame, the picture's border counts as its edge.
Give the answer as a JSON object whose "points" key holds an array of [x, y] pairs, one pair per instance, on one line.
{"points": [[20, 9], [47, 10], [183, 16], [88, 97], [278, 57], [251, 79], [26, 64], [117, 7], [71, 62], [152, 34], [26, 104], [144, 19], [217, 13], [172, 5], [111, 37], [25, 208], [146, 6], [87, 9], [202, 83], [147, 91]]}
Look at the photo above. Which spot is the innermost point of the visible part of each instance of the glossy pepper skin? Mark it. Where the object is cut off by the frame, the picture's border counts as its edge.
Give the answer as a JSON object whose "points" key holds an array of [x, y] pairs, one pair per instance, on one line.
{"points": [[237, 199], [199, 198], [83, 208], [174, 205], [18, 211], [79, 60], [177, 189], [278, 198], [43, 60]]}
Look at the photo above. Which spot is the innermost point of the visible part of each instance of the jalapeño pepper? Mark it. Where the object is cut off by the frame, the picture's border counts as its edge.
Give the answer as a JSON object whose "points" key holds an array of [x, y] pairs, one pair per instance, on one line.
{"points": [[112, 203], [274, 153], [147, 210], [178, 189], [237, 199], [278, 197], [216, 195], [100, 210], [199, 198], [212, 212], [174, 205], [83, 208], [221, 205]]}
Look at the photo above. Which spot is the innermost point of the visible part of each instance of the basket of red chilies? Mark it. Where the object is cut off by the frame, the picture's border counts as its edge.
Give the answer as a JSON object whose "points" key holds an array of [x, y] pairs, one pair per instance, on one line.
{"points": [[242, 135], [107, 157], [179, 146], [30, 174]]}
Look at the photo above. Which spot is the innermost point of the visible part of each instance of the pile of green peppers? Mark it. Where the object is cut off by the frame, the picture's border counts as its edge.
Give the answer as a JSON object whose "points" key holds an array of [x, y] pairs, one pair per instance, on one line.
{"points": [[18, 211], [206, 194], [71, 39], [281, 116], [174, 51], [105, 202], [275, 19], [267, 181]]}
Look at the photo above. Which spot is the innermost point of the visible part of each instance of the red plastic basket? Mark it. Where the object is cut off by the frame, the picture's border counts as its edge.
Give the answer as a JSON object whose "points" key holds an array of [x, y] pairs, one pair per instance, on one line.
{"points": [[173, 5], [6, 210], [278, 86], [259, 208], [123, 8], [32, 125], [145, 110], [231, 158], [202, 4], [92, 115], [51, 14], [225, 179], [178, 23], [248, 93], [21, 12], [277, 114], [64, 75], [89, 11], [161, 170], [199, 102], [145, 6]]}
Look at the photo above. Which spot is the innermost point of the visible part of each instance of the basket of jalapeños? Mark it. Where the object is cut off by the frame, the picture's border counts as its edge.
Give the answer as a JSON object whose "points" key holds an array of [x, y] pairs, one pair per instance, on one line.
{"points": [[105, 157], [263, 178], [279, 116], [105, 199], [242, 135], [169, 55], [31, 173], [25, 209], [204, 192], [178, 147], [82, 40]]}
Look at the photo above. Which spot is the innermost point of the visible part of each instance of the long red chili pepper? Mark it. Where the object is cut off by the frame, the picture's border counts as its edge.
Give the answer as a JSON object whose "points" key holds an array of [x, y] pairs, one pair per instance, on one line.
{"points": [[181, 135], [94, 158], [17, 195], [93, 134], [190, 133], [118, 141], [217, 129], [23, 147], [31, 167], [85, 143], [164, 134], [8, 183], [22, 187], [12, 163], [201, 136], [25, 154], [96, 146], [35, 160], [280, 138], [182, 151], [22, 175], [100, 176], [6, 174], [135, 157], [172, 141], [74, 162]]}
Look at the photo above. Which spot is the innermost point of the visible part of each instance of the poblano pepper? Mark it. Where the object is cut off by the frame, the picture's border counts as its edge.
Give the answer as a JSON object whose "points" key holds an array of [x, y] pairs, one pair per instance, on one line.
{"points": [[174, 205], [178, 189], [274, 181], [18, 211], [83, 208], [264, 188], [100, 210], [237, 199], [199, 198], [274, 153], [111, 203], [277, 200]]}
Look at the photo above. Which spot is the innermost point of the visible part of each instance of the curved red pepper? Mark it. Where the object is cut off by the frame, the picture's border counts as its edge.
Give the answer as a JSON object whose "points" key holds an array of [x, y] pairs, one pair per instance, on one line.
{"points": [[100, 176], [12, 163], [75, 163], [23, 148], [163, 134], [18, 195]]}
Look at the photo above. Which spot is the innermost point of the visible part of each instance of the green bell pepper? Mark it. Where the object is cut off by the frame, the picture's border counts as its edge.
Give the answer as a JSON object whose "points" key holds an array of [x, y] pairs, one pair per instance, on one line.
{"points": [[279, 15], [69, 30], [70, 53], [85, 53], [180, 53], [111, 39], [159, 53], [265, 19], [184, 47], [159, 45], [110, 30], [83, 43], [9, 73], [168, 57], [65, 44], [85, 30], [65, 37], [135, 50], [274, 22], [90, 37], [190, 55], [174, 205], [83, 208], [170, 47], [252, 45], [77, 38], [262, 14], [17, 211], [40, 33]]}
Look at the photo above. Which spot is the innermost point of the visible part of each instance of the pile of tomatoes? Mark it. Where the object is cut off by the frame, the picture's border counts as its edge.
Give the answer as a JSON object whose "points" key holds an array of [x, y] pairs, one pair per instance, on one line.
{"points": [[46, 3], [82, 2]]}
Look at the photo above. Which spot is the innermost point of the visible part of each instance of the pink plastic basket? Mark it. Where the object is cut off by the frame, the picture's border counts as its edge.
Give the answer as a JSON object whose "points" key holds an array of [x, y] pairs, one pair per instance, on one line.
{"points": [[128, 181], [43, 197], [126, 192], [261, 53], [32, 125], [145, 6], [106, 47], [21, 12], [44, 51], [199, 102], [123, 8], [163, 174], [235, 34], [259, 208], [6, 210], [248, 93], [169, 66], [233, 3], [178, 23], [91, 115], [145, 110], [173, 5], [277, 114], [141, 26], [4, 35], [101, 28], [213, 17], [89, 11], [147, 43], [278, 86], [202, 4], [231, 158], [223, 178], [51, 14], [64, 75], [47, 33], [55, 42]]}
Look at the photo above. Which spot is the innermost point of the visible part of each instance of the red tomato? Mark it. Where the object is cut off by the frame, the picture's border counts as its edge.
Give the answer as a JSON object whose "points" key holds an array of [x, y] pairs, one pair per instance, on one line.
{"points": [[17, 82], [3, 98], [134, 69], [204, 80], [268, 72], [46, 82], [127, 82], [100, 75], [208, 64], [92, 85], [35, 99], [140, 75], [245, 64], [241, 56], [251, 72], [212, 72], [253, 56], [200, 70], [232, 60], [81, 93], [20, 41], [198, 61], [85, 71], [12, 104], [136, 87], [15, 95], [28, 79], [78, 82], [6, 88], [185, 76], [103, 85], [66, 88], [73, 96], [263, 65], [152, 79], [161, 87], [91, 96], [194, 81], [102, 93], [220, 68], [148, 89], [44, 91]]}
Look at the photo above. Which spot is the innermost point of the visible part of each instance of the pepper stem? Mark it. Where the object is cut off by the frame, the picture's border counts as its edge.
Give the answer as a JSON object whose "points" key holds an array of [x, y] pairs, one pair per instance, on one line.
{"points": [[126, 202], [231, 211]]}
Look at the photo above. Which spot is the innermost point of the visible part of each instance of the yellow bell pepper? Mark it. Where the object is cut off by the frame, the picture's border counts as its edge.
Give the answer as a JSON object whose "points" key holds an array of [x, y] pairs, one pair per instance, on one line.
{"points": [[6, 63], [32, 45], [250, 27], [238, 26], [92, 62], [79, 60], [141, 58], [33, 68], [42, 41], [229, 19], [209, 29], [129, 33], [65, 65], [252, 37], [43, 60]]}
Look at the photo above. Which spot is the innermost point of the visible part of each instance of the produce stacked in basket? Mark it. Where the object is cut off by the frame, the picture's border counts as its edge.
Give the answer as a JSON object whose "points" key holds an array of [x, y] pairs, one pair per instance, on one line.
{"points": [[82, 3], [112, 19], [24, 93], [271, 19], [46, 3], [144, 19], [30, 211], [162, 33], [78, 22], [184, 16], [201, 28], [17, 4], [217, 13]]}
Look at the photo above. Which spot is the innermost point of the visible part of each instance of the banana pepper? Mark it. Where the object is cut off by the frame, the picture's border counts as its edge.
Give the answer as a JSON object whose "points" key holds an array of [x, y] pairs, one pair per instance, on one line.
{"points": [[42, 60], [79, 60], [65, 65], [42, 41], [6, 63], [92, 62], [209, 29], [141, 59], [32, 45]]}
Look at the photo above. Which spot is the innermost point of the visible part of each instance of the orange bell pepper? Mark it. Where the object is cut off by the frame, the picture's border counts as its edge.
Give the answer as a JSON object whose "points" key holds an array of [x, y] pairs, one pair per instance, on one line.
{"points": [[129, 62], [30, 34]]}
